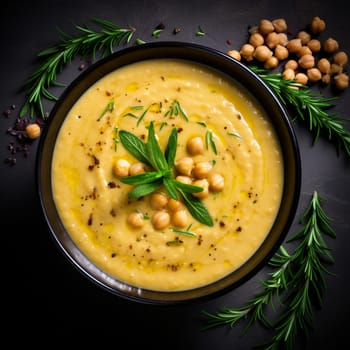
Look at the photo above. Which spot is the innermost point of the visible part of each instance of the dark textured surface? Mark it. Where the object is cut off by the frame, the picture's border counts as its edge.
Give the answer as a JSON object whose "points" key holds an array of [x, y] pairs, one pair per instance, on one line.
{"points": [[44, 295]]}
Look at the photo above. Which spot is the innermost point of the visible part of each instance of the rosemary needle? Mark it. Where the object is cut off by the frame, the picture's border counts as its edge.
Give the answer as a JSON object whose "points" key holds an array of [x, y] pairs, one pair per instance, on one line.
{"points": [[310, 107], [52, 61], [296, 279]]}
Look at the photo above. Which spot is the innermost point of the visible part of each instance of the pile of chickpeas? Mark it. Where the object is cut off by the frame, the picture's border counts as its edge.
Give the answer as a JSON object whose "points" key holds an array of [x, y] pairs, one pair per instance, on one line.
{"points": [[306, 59], [168, 211]]}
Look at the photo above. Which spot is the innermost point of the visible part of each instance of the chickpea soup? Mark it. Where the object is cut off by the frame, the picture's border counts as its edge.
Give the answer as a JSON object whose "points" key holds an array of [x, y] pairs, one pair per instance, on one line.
{"points": [[167, 174]]}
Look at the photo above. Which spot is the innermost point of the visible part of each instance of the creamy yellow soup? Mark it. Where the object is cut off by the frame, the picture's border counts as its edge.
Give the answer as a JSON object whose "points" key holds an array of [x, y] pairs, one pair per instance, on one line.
{"points": [[239, 143]]}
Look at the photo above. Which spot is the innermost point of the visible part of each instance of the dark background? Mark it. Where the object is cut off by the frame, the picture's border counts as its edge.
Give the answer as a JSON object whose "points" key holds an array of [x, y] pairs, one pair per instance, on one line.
{"points": [[47, 301]]}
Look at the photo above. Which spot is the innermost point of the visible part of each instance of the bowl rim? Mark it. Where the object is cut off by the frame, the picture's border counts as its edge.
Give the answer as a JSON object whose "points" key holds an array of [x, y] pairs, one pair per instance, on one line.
{"points": [[199, 54]]}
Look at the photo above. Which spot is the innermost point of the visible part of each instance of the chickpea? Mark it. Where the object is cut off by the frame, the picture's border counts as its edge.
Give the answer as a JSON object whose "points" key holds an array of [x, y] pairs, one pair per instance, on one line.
{"points": [[314, 74], [262, 53], [121, 168], [253, 29], [283, 39], [185, 166], [160, 219], [280, 25], [202, 169], [341, 81], [195, 145], [306, 61], [330, 45], [340, 58], [136, 219], [326, 78], [305, 50], [174, 205], [265, 27], [235, 54], [335, 69], [180, 218], [314, 45], [247, 52], [272, 40], [288, 74], [317, 25], [281, 52], [304, 36], [294, 45], [291, 64], [256, 39], [216, 182], [158, 200], [324, 65], [33, 130], [204, 184], [301, 78], [184, 179], [271, 63], [136, 168]]}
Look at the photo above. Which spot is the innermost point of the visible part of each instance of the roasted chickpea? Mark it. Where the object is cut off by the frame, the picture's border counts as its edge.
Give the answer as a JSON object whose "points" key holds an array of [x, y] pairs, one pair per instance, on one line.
{"points": [[216, 182], [291, 64], [304, 36], [205, 185], [280, 25], [256, 39], [33, 130], [288, 74], [247, 52], [340, 58], [202, 169], [262, 53], [158, 200], [174, 205], [272, 40], [335, 69], [341, 81], [301, 78], [330, 45], [195, 145], [281, 52], [184, 166], [326, 78], [160, 219], [317, 25], [180, 218], [121, 168], [265, 27], [283, 39], [136, 219], [294, 45], [314, 45], [137, 168], [305, 50], [324, 65], [314, 74], [234, 54], [306, 61], [271, 63]]}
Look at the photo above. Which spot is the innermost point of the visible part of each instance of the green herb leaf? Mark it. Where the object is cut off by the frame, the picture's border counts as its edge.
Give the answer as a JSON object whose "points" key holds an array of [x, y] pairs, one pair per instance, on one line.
{"points": [[170, 151], [145, 189], [187, 187], [170, 187], [209, 140], [143, 178], [154, 153], [186, 232], [134, 146], [109, 108], [176, 109]]}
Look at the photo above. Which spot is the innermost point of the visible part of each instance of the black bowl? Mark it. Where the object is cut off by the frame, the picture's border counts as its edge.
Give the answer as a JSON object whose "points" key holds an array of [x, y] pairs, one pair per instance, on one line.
{"points": [[234, 69]]}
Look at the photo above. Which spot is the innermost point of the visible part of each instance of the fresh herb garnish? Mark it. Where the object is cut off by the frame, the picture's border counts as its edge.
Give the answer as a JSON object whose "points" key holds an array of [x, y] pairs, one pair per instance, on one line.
{"points": [[116, 139], [209, 141], [109, 108], [176, 109], [156, 33], [234, 134], [200, 31], [87, 43], [163, 174], [310, 107], [298, 275], [185, 232]]}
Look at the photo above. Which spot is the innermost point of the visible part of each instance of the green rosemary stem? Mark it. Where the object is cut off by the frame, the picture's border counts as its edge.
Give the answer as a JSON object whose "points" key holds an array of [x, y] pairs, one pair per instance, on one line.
{"points": [[86, 43]]}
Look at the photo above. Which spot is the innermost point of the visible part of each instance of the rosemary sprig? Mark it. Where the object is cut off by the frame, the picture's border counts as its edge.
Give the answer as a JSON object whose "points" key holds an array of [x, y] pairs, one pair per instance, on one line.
{"points": [[310, 107], [299, 276], [52, 61]]}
